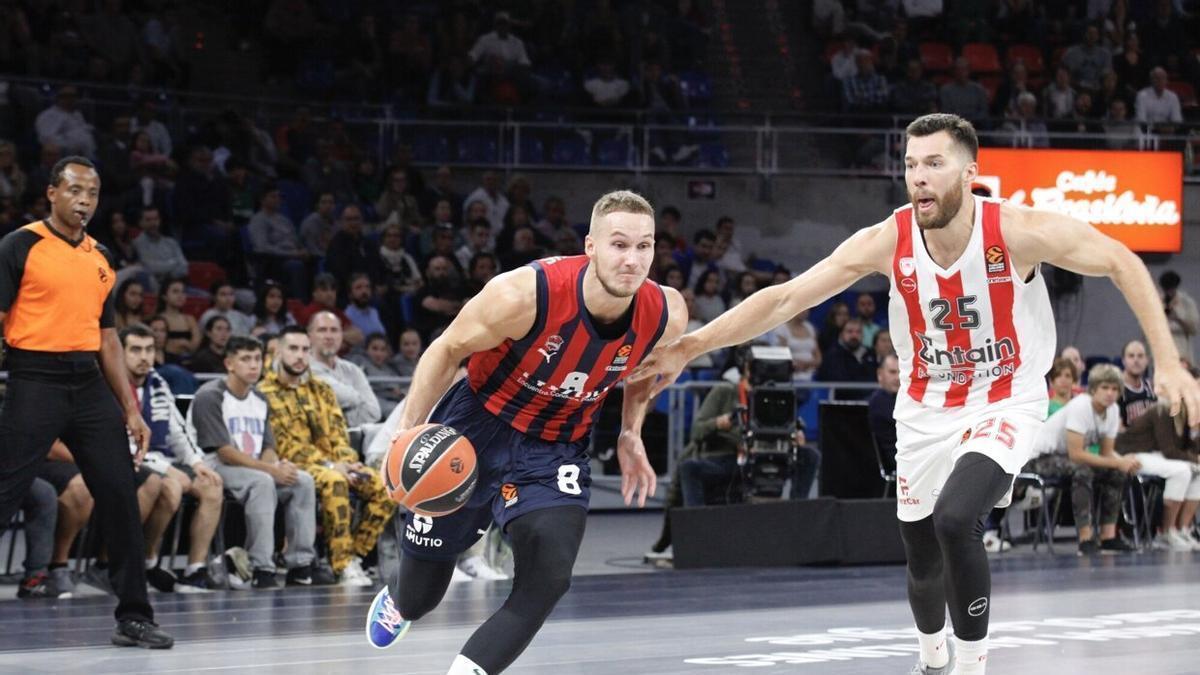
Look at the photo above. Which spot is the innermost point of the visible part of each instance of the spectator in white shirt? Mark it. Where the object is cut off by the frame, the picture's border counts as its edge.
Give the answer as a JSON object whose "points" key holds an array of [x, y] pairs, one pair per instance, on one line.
{"points": [[606, 88], [1156, 104], [500, 45], [64, 126], [1078, 442], [843, 63]]}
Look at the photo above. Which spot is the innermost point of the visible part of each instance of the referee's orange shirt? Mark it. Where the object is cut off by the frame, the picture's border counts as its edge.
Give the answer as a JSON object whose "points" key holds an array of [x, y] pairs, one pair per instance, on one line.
{"points": [[58, 294]]}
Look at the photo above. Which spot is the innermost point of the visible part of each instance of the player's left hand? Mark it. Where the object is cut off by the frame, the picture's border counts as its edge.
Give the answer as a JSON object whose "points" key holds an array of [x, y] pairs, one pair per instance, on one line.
{"points": [[141, 435], [637, 477], [661, 367], [1176, 386]]}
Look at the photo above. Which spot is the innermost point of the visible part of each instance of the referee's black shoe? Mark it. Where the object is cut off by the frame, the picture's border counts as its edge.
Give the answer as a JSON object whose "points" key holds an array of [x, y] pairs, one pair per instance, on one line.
{"points": [[146, 634]]}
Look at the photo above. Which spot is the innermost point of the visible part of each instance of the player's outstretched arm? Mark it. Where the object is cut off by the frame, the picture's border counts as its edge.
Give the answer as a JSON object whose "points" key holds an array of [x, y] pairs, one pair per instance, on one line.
{"points": [[1040, 236], [504, 309], [637, 476], [868, 250]]}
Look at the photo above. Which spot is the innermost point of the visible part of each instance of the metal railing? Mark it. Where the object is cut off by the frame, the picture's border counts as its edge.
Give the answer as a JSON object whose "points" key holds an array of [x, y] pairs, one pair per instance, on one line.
{"points": [[637, 141]]}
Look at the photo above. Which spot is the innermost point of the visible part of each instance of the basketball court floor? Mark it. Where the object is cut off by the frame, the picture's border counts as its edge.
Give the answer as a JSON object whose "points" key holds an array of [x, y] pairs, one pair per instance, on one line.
{"points": [[1053, 614]]}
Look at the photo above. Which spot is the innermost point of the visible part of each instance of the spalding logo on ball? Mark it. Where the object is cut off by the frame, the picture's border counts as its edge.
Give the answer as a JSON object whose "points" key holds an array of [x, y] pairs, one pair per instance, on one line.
{"points": [[430, 470]]}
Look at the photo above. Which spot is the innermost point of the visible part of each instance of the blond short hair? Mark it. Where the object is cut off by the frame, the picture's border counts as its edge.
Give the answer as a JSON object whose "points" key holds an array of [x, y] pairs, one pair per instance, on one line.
{"points": [[620, 201], [1101, 374]]}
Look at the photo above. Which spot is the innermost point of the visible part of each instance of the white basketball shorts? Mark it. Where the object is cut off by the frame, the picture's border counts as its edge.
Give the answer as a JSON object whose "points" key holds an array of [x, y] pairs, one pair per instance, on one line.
{"points": [[924, 460]]}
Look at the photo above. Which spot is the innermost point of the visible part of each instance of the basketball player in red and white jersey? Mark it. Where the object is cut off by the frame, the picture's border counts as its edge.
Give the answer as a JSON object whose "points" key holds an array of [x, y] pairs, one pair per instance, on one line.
{"points": [[971, 323], [547, 343]]}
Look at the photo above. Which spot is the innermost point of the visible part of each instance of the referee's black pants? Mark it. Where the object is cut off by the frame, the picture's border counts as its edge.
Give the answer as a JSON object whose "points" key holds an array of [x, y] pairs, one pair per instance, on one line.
{"points": [[65, 396]]}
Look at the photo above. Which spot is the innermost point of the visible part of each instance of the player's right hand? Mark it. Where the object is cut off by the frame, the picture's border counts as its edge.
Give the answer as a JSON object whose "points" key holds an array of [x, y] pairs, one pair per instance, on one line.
{"points": [[664, 363], [1176, 386]]}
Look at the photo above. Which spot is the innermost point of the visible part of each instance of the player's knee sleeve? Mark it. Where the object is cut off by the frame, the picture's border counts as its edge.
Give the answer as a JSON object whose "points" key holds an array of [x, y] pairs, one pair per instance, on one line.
{"points": [[972, 490], [422, 585], [954, 525], [921, 550], [548, 540]]}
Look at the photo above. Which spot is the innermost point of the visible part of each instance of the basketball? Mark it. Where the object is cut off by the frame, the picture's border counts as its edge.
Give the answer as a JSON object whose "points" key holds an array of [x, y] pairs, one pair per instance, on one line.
{"points": [[430, 470]]}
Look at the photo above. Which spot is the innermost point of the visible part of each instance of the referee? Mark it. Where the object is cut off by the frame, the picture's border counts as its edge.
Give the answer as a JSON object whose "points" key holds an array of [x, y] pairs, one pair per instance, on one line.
{"points": [[67, 380]]}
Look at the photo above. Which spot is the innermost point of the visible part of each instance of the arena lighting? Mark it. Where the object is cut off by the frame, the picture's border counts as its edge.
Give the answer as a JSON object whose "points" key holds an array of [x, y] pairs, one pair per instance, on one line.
{"points": [[1134, 197]]}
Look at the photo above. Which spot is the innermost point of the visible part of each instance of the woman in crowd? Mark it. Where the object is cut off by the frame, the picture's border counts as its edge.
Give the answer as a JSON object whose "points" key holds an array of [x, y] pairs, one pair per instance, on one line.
{"points": [[210, 357], [1063, 376], [744, 286], [130, 299], [183, 334], [271, 314], [837, 317], [709, 303], [800, 337]]}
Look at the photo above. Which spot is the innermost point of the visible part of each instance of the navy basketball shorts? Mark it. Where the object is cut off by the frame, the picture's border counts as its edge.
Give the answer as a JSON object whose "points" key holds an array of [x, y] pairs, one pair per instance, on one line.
{"points": [[518, 473]]}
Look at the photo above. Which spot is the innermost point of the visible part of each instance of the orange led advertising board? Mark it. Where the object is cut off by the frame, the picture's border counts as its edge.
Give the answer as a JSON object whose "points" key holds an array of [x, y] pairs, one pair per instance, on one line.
{"points": [[1134, 197]]}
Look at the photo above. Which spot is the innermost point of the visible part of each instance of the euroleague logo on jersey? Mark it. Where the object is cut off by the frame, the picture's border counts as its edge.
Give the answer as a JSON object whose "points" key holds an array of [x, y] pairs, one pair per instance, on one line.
{"points": [[551, 347], [508, 492], [622, 357], [995, 260]]}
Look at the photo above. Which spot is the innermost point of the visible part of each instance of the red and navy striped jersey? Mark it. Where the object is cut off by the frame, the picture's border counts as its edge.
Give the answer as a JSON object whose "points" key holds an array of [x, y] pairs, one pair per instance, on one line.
{"points": [[552, 382]]}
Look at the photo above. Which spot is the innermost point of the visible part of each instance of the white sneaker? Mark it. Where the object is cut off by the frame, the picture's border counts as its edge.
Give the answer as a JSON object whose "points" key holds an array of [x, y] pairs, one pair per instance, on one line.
{"points": [[992, 543], [354, 575], [460, 576], [652, 557], [1178, 541], [477, 567], [1191, 536]]}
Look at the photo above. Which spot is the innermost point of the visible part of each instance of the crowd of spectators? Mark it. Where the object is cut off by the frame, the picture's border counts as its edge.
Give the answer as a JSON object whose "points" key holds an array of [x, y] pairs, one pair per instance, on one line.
{"points": [[465, 53], [1025, 69], [115, 41]]}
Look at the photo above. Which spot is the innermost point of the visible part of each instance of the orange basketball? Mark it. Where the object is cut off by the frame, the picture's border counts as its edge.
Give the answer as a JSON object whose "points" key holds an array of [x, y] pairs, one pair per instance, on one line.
{"points": [[430, 470]]}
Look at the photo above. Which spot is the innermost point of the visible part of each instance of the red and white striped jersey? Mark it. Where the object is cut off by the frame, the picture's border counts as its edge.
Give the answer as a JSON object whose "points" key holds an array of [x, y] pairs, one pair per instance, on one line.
{"points": [[969, 335]]}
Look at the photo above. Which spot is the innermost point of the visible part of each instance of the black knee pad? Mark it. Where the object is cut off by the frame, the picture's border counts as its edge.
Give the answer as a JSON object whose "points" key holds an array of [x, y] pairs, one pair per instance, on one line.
{"points": [[422, 585], [922, 552], [972, 490], [953, 524], [548, 541]]}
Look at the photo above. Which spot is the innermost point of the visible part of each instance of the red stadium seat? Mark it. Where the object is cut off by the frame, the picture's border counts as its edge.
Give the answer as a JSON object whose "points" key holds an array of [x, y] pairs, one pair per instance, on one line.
{"points": [[1031, 55], [203, 275], [982, 57], [196, 306], [1185, 91], [936, 56]]}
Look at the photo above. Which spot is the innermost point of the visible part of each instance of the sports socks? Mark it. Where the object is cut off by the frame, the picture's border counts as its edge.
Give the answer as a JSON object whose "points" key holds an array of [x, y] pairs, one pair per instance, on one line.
{"points": [[934, 652], [971, 658], [464, 666]]}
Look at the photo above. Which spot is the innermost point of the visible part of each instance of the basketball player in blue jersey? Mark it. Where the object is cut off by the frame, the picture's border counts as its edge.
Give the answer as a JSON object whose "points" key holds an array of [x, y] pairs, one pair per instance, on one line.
{"points": [[974, 334], [546, 343]]}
